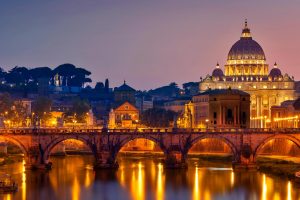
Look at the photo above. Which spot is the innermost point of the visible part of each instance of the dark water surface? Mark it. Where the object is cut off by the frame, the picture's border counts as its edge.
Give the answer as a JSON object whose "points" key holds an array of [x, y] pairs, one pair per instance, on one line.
{"points": [[73, 178]]}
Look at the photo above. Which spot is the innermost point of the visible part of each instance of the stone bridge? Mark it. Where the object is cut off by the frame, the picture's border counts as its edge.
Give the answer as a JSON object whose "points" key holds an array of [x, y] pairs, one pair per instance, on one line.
{"points": [[105, 144]]}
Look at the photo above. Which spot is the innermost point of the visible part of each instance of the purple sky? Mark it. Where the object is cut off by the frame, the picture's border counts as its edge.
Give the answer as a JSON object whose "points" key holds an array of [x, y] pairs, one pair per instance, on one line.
{"points": [[147, 42]]}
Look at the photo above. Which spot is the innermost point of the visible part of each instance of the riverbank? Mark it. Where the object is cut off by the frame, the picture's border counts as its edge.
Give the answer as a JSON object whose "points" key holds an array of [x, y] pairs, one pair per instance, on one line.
{"points": [[278, 167], [10, 159]]}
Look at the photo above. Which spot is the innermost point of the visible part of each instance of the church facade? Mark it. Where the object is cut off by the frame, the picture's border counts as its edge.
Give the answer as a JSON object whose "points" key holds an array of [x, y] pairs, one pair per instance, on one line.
{"points": [[246, 69]]}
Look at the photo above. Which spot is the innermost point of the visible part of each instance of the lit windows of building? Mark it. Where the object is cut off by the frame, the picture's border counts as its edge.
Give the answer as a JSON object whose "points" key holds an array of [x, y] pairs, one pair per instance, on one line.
{"points": [[124, 116], [225, 108]]}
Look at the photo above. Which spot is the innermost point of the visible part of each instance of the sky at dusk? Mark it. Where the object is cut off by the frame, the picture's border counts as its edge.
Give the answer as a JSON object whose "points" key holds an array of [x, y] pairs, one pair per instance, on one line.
{"points": [[149, 43]]}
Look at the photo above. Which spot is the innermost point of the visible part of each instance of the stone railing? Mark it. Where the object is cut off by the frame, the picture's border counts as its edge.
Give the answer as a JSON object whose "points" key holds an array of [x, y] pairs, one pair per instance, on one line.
{"points": [[144, 130]]}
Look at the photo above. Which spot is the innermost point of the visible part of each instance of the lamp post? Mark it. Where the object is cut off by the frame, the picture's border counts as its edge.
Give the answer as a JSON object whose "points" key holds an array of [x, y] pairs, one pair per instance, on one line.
{"points": [[87, 119], [265, 121], [206, 121], [74, 122], [32, 119]]}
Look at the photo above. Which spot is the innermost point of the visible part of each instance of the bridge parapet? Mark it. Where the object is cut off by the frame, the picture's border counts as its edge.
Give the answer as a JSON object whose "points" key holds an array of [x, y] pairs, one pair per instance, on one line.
{"points": [[147, 130], [175, 143]]}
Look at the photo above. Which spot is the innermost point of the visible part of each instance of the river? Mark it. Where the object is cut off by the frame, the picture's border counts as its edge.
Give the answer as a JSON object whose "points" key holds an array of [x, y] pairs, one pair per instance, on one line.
{"points": [[73, 177]]}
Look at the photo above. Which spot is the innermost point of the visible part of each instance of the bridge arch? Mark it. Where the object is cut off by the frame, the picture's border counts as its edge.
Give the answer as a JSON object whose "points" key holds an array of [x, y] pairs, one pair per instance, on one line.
{"points": [[15, 142], [197, 139], [128, 139], [279, 136], [58, 140]]}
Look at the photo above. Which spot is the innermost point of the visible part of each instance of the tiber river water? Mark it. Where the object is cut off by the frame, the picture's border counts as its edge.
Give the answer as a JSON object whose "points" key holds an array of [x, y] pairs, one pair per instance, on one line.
{"points": [[72, 177]]}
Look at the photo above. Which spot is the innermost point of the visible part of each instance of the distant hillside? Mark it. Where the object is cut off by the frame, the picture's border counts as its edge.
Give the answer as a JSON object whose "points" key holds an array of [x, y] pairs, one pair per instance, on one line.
{"points": [[171, 90]]}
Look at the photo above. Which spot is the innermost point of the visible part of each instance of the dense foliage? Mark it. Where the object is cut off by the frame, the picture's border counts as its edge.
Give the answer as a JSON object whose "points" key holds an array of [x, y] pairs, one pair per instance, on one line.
{"points": [[171, 90], [13, 113], [156, 117], [23, 79], [78, 112], [41, 109]]}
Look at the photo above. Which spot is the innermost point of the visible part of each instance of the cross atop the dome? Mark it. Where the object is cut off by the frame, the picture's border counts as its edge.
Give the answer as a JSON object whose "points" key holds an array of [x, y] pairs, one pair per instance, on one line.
{"points": [[275, 65], [217, 66], [246, 23]]}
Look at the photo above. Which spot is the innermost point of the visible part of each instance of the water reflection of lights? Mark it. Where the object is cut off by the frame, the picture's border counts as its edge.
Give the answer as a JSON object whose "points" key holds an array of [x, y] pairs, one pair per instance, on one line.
{"points": [[216, 168], [137, 183], [160, 183], [144, 182], [122, 176], [196, 193], [23, 181], [232, 179], [264, 189], [8, 197], [88, 180], [140, 182], [75, 190], [289, 191]]}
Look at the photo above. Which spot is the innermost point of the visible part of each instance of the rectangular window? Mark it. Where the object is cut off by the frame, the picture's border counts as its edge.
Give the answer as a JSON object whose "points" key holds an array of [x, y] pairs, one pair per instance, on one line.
{"points": [[215, 115]]}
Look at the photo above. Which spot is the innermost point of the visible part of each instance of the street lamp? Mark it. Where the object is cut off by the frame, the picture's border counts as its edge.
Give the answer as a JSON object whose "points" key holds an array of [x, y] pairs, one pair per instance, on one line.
{"points": [[74, 122], [265, 120], [206, 121]]}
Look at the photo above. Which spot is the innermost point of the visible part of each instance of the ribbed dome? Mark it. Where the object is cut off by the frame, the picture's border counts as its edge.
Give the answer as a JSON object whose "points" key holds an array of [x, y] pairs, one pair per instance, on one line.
{"points": [[217, 71], [275, 72], [246, 48]]}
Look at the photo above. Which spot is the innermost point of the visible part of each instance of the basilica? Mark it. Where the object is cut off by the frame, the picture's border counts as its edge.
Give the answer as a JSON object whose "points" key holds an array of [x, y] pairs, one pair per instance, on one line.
{"points": [[247, 69]]}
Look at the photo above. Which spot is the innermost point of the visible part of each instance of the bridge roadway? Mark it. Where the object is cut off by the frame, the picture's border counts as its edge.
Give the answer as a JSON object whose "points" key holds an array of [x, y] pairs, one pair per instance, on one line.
{"points": [[245, 144]]}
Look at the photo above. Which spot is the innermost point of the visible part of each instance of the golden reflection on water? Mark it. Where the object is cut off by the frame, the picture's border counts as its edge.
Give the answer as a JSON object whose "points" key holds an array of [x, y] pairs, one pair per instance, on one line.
{"points": [[88, 176], [8, 197], [141, 179], [75, 190], [160, 183], [289, 191], [196, 192], [71, 171], [232, 179], [23, 181], [264, 188], [140, 182]]}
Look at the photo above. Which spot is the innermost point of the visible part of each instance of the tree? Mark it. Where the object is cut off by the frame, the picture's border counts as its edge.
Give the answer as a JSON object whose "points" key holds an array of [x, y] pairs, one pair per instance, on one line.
{"points": [[72, 76], [171, 90], [41, 109], [79, 78], [6, 103], [66, 71], [40, 72], [79, 111], [156, 117], [12, 112], [99, 86], [18, 76], [106, 85], [2, 73], [18, 114]]}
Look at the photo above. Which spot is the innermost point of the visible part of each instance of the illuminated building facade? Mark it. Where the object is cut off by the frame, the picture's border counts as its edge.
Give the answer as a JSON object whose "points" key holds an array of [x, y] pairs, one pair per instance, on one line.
{"points": [[124, 116], [220, 108], [246, 69], [287, 115]]}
